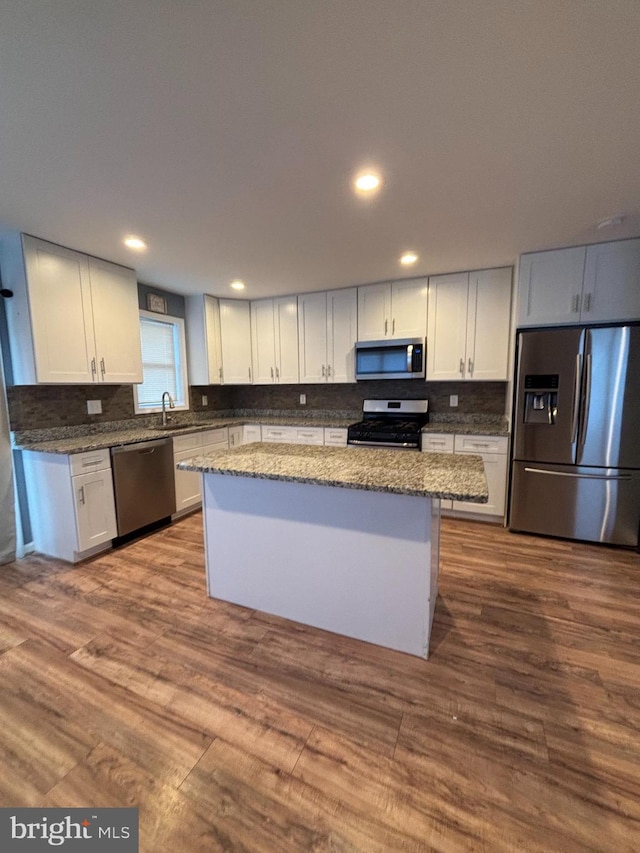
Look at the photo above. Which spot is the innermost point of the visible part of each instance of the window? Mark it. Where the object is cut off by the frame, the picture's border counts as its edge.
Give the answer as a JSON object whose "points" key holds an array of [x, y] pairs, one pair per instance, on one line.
{"points": [[164, 363]]}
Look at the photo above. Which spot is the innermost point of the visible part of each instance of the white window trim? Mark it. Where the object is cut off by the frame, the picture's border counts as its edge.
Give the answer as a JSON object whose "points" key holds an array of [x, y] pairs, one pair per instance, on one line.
{"points": [[179, 322]]}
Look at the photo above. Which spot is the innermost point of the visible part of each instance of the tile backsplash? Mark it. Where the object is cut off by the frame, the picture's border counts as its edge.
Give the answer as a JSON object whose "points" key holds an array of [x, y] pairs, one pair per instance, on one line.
{"points": [[42, 406]]}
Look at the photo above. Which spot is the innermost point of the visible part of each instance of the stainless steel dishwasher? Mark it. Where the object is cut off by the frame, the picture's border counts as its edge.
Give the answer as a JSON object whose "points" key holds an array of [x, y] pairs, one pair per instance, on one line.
{"points": [[143, 483]]}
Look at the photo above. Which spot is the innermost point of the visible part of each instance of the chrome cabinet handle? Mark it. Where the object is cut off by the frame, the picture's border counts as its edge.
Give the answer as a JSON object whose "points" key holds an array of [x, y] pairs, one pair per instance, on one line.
{"points": [[220, 373], [386, 326], [102, 367], [393, 326], [328, 371], [470, 368], [462, 367], [81, 495], [272, 374], [93, 367], [277, 372], [587, 302], [576, 303], [249, 374], [94, 462], [323, 370]]}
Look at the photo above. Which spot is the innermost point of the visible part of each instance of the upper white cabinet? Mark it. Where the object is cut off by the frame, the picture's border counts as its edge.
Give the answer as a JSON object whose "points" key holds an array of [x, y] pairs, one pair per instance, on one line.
{"points": [[468, 328], [395, 310], [204, 347], [327, 329], [235, 337], [585, 284], [274, 340], [73, 319], [218, 340]]}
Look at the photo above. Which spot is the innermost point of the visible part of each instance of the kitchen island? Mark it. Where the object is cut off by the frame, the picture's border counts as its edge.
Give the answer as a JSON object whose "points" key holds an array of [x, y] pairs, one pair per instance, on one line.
{"points": [[339, 538]]}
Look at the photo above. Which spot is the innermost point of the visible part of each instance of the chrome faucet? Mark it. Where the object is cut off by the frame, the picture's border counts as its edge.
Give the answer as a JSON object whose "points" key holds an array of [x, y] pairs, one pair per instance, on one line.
{"points": [[172, 405]]}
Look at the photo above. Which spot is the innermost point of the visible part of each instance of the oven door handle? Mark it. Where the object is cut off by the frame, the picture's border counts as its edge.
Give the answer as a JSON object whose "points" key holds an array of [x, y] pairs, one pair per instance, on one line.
{"points": [[364, 443]]}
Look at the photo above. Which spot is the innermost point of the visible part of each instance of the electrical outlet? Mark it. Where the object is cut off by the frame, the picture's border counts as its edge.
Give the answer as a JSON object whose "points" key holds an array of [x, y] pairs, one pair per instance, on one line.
{"points": [[303, 399], [205, 400], [453, 400], [94, 407]]}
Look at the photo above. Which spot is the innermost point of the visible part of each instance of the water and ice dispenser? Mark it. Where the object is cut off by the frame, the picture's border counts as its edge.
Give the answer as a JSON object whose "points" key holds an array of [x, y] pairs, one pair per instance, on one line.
{"points": [[540, 398]]}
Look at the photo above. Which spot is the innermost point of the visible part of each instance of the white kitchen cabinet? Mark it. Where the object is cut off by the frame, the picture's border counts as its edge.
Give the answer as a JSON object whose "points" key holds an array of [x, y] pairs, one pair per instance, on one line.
{"points": [[583, 284], [235, 336], [204, 346], [71, 503], [327, 329], [189, 483], [392, 310], [468, 326], [235, 436], [279, 434], [335, 436], [251, 433], [274, 340], [493, 450], [73, 319]]}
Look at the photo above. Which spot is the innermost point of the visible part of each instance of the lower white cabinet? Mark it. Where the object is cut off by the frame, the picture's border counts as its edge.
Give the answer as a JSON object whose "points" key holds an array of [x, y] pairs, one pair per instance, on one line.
{"points": [[188, 483], [493, 450], [335, 436], [71, 503], [251, 433]]}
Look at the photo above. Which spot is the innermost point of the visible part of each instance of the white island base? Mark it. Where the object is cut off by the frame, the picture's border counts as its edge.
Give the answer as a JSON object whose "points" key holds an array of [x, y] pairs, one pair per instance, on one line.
{"points": [[359, 563]]}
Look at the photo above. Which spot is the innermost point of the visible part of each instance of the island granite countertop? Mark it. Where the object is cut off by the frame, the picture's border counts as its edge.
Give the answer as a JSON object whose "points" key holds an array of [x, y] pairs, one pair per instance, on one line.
{"points": [[432, 475]]}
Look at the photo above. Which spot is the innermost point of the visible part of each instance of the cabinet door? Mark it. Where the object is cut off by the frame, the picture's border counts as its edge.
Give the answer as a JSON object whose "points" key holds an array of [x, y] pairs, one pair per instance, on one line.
{"points": [[447, 326], [312, 337], [438, 443], [409, 309], [235, 334], [374, 309], [488, 319], [285, 317], [251, 433], [116, 322], [94, 508], [342, 330], [550, 287], [60, 308], [495, 469], [212, 340], [204, 348], [263, 349], [612, 282], [188, 483]]}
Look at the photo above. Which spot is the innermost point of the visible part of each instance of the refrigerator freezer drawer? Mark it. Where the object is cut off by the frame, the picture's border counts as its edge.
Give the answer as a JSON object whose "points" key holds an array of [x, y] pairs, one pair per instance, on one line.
{"points": [[592, 504]]}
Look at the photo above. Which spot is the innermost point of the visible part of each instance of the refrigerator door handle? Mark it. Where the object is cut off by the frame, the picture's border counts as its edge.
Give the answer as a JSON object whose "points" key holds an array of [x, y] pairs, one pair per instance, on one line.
{"points": [[578, 476], [576, 399], [586, 401]]}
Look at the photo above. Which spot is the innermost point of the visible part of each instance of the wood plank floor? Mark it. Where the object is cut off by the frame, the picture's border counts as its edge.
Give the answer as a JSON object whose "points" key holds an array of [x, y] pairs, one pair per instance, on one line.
{"points": [[231, 730]]}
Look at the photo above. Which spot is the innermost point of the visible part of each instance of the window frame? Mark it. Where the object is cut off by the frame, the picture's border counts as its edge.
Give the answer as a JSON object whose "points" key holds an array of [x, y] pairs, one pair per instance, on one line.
{"points": [[180, 350]]}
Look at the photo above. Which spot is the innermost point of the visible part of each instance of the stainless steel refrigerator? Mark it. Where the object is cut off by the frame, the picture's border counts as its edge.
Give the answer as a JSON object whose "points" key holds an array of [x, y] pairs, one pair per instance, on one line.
{"points": [[576, 447]]}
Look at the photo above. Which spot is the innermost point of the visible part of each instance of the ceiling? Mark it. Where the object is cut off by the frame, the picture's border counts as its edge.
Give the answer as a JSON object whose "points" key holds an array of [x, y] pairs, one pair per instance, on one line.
{"points": [[227, 132]]}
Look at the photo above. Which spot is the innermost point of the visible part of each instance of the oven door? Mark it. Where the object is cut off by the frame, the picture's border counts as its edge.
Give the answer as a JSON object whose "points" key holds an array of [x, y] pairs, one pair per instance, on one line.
{"points": [[401, 359]]}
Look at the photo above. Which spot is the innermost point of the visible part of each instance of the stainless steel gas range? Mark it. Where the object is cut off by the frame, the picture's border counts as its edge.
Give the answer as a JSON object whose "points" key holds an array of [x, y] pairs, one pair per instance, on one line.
{"points": [[390, 423]]}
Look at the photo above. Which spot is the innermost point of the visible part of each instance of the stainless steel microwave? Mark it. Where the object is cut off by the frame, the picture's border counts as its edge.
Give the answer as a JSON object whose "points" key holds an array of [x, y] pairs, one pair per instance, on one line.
{"points": [[389, 359]]}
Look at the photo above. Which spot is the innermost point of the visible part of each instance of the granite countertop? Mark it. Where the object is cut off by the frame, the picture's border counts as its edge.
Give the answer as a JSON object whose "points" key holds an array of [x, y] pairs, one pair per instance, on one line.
{"points": [[433, 475], [80, 439]]}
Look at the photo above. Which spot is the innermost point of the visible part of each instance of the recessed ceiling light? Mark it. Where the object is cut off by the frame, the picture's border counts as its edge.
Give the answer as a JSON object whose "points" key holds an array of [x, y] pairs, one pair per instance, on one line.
{"points": [[238, 285], [609, 222], [133, 242], [367, 182], [408, 258]]}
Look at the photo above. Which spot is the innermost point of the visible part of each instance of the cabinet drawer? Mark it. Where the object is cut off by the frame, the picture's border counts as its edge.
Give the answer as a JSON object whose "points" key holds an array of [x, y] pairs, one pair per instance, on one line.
{"points": [[215, 436], [437, 442], [272, 433], [310, 435], [335, 437], [481, 444], [94, 460], [193, 441]]}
